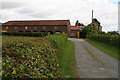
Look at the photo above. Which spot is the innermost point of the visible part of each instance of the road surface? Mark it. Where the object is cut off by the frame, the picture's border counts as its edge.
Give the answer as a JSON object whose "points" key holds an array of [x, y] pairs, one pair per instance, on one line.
{"points": [[92, 62]]}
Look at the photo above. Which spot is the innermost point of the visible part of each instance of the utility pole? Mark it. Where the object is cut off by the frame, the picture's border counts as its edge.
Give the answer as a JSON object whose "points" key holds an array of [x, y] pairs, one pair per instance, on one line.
{"points": [[92, 14]]}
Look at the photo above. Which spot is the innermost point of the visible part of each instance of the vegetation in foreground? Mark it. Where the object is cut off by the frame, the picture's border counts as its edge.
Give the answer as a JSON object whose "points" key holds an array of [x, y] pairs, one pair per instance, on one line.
{"points": [[109, 49], [68, 61], [32, 57]]}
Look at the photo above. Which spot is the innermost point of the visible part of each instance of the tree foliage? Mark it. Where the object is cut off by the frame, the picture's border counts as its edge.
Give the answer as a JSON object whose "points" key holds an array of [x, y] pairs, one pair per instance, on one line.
{"points": [[90, 30], [113, 33]]}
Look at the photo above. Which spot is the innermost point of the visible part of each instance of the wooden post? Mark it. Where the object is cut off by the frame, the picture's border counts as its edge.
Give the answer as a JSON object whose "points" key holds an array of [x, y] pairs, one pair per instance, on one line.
{"points": [[63, 32], [78, 34]]}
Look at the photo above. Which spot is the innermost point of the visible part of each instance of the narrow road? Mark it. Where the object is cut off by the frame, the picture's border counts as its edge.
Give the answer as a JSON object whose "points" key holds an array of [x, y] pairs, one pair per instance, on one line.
{"points": [[92, 62]]}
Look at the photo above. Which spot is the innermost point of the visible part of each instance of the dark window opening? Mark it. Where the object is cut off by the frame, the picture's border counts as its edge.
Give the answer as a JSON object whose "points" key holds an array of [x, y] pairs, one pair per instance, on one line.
{"points": [[20, 31], [35, 31], [27, 31], [42, 31], [51, 32], [82, 34]]}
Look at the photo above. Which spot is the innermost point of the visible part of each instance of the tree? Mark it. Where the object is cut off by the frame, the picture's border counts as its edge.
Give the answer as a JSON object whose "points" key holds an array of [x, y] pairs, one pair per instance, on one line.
{"points": [[102, 32], [77, 23], [89, 30], [113, 33]]}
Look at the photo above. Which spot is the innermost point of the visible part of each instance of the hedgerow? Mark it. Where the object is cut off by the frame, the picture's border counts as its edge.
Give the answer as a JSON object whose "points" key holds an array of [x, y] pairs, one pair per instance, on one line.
{"points": [[106, 38], [28, 57], [31, 34], [59, 39]]}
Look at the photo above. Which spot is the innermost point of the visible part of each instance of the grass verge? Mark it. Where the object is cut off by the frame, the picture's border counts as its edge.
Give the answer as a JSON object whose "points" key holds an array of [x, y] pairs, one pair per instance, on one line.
{"points": [[108, 49], [68, 61]]}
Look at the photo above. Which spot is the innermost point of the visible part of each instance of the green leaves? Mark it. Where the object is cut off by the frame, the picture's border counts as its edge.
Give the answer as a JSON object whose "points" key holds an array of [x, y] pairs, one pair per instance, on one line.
{"points": [[32, 57], [34, 34], [106, 38]]}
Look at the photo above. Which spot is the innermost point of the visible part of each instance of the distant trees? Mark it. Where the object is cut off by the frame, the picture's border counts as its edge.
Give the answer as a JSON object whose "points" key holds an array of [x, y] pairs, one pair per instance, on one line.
{"points": [[109, 33], [113, 33], [92, 30], [79, 24], [102, 32]]}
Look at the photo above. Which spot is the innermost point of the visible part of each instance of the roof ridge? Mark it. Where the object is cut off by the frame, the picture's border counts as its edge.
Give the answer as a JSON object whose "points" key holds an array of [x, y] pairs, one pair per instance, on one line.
{"points": [[38, 20]]}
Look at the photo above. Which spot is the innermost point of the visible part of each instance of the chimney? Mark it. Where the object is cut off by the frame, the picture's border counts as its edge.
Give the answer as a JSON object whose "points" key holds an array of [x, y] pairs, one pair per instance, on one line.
{"points": [[92, 14]]}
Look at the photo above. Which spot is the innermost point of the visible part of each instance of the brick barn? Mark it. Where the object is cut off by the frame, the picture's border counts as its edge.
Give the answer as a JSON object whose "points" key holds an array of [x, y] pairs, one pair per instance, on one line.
{"points": [[51, 26]]}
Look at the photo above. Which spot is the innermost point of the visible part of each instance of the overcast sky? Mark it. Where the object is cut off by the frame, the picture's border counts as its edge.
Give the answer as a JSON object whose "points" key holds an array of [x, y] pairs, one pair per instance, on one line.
{"points": [[106, 11]]}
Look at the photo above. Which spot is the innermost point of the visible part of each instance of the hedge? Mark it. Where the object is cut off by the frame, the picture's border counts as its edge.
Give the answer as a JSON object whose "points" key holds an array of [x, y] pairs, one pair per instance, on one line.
{"points": [[105, 38], [59, 39], [33, 34]]}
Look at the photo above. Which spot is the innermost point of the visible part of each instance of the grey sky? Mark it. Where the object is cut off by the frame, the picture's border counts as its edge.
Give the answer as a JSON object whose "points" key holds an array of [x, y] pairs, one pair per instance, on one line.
{"points": [[9, 5], [105, 11]]}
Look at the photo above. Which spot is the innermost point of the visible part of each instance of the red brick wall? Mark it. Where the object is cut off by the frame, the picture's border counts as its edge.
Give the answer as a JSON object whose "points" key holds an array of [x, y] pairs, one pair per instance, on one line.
{"points": [[38, 28]]}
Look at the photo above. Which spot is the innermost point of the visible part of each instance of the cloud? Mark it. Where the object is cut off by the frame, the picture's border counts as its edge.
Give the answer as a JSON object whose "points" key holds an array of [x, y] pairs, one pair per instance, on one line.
{"points": [[40, 15], [11, 5], [25, 10], [114, 1], [104, 10]]}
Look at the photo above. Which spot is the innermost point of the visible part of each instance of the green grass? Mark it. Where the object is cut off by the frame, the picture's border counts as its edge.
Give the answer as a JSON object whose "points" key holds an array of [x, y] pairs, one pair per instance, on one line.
{"points": [[0, 40], [108, 49], [68, 60], [0, 57]]}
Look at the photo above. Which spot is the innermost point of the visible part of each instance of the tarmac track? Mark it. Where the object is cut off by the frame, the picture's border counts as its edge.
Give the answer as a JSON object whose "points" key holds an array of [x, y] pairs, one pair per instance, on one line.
{"points": [[92, 62]]}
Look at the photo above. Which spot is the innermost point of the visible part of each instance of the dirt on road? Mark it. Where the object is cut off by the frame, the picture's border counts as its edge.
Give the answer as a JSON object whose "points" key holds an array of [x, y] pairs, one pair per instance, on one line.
{"points": [[92, 62]]}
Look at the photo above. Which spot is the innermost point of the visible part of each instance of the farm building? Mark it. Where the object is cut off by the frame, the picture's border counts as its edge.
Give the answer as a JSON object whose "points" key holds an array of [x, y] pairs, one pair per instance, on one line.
{"points": [[51, 26], [76, 31], [96, 23]]}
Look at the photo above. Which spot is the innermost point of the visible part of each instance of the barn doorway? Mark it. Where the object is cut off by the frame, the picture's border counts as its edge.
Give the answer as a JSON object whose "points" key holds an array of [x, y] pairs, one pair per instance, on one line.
{"points": [[35, 31], [82, 34], [20, 31], [51, 32], [73, 35], [27, 31], [58, 32]]}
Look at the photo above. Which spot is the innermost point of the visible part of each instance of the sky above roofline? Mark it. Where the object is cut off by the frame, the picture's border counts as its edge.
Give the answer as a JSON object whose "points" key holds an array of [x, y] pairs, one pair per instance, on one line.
{"points": [[106, 11], [114, 1]]}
